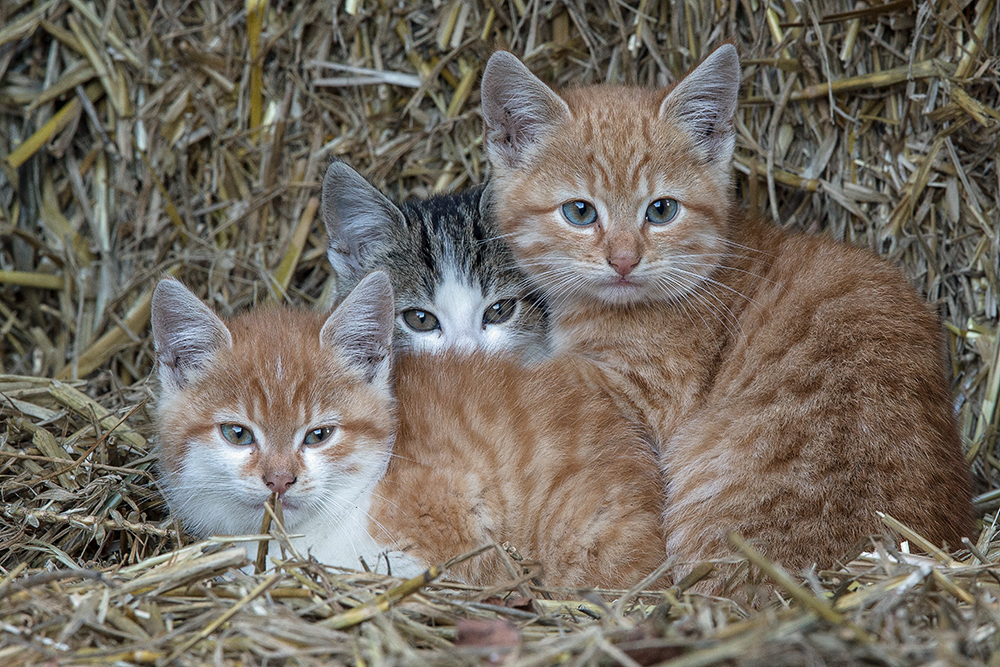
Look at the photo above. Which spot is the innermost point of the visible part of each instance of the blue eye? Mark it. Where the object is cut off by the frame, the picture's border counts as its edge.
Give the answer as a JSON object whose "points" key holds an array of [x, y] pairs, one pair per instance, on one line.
{"points": [[317, 436], [662, 211], [579, 213], [236, 434]]}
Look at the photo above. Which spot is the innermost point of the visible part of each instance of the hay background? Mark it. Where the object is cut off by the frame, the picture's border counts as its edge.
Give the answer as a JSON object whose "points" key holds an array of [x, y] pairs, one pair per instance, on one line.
{"points": [[191, 137]]}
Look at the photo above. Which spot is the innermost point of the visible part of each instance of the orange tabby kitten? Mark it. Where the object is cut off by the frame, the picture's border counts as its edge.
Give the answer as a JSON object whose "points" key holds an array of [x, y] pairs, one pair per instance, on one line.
{"points": [[288, 401], [796, 385]]}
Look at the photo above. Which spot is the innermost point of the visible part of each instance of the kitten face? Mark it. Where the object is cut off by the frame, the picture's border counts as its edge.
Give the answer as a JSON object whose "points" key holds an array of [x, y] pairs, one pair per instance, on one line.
{"points": [[621, 212], [292, 405], [455, 280]]}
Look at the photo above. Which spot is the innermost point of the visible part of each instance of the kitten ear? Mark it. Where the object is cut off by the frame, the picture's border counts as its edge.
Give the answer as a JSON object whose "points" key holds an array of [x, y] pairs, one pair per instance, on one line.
{"points": [[486, 202], [359, 219], [518, 108], [704, 103], [362, 325], [186, 333]]}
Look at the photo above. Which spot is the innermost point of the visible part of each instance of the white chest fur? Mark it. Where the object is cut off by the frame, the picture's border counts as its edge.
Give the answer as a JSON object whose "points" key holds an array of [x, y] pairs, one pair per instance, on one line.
{"points": [[352, 541]]}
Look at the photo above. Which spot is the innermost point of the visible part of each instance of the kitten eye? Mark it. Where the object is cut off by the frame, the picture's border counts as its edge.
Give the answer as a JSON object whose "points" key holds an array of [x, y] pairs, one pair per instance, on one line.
{"points": [[318, 436], [579, 213], [501, 311], [237, 434], [662, 211], [420, 320]]}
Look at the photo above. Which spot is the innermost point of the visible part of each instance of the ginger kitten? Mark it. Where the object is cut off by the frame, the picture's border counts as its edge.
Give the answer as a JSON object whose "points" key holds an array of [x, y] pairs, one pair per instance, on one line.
{"points": [[796, 385], [454, 279], [470, 450]]}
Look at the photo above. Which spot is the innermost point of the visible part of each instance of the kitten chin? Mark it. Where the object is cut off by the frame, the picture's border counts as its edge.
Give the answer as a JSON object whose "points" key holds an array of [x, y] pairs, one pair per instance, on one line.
{"points": [[795, 386]]}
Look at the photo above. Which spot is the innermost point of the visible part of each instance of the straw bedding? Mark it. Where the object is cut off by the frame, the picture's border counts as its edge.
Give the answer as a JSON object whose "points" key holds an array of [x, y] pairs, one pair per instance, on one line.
{"points": [[189, 137]]}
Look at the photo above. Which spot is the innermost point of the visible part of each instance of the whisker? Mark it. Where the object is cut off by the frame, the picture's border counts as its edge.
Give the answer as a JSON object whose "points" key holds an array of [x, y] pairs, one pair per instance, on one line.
{"points": [[694, 291], [716, 283], [684, 299], [734, 244]]}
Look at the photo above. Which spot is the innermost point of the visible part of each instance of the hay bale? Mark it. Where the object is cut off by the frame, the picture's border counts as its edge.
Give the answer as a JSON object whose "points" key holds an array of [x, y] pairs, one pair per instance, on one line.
{"points": [[189, 138]]}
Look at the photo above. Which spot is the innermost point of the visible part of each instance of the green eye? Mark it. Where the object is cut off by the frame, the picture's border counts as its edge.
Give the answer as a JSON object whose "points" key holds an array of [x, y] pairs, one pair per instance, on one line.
{"points": [[420, 320], [662, 211], [237, 434], [318, 435], [579, 213], [501, 311]]}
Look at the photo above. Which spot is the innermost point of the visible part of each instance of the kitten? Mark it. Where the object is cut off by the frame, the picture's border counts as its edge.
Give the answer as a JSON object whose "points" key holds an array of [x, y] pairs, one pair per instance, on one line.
{"points": [[288, 401], [795, 385], [454, 278]]}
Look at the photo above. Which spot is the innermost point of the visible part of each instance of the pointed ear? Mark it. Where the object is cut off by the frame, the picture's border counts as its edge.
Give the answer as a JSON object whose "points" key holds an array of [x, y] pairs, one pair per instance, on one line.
{"points": [[704, 103], [359, 220], [486, 202], [518, 108], [361, 327], [186, 333]]}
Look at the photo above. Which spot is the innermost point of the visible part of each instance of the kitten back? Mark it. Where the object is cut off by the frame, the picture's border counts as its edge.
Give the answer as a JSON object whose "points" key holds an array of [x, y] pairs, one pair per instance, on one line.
{"points": [[491, 451]]}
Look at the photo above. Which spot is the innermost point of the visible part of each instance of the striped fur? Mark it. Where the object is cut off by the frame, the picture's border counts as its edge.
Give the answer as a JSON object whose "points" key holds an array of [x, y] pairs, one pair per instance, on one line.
{"points": [[796, 386], [484, 449], [444, 257]]}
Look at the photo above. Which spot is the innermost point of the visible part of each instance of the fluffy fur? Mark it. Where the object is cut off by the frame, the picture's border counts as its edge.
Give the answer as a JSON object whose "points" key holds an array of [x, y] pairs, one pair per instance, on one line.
{"points": [[796, 386], [486, 450], [446, 261]]}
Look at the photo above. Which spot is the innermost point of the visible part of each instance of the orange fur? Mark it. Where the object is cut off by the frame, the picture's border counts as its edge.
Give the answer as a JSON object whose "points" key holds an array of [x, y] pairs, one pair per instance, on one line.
{"points": [[796, 385], [486, 450], [275, 380], [489, 451]]}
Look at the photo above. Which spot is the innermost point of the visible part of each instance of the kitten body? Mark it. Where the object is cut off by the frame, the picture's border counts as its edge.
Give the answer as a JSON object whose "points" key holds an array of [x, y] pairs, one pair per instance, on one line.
{"points": [[489, 451], [455, 281], [796, 385], [485, 450]]}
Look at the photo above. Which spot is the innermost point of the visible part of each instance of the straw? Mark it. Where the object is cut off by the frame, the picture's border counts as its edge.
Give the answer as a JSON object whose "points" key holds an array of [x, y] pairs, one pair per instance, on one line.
{"points": [[190, 139]]}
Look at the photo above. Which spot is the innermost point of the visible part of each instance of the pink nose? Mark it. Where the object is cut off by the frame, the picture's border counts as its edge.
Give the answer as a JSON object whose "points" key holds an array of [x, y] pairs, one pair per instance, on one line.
{"points": [[623, 265], [279, 481]]}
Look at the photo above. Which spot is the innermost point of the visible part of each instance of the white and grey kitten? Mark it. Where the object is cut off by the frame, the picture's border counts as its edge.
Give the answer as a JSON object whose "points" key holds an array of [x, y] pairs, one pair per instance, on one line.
{"points": [[455, 280]]}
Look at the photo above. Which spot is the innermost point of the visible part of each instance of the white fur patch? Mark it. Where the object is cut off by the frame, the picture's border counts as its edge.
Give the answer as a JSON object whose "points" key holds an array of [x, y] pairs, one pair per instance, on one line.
{"points": [[459, 308], [328, 505]]}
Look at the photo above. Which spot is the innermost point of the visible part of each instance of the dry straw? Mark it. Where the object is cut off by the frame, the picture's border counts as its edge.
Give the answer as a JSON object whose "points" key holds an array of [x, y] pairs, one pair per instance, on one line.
{"points": [[189, 138]]}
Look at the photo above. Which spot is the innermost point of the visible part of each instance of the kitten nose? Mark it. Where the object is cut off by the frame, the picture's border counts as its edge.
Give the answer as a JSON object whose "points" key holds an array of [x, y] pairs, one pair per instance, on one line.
{"points": [[623, 264], [279, 481]]}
